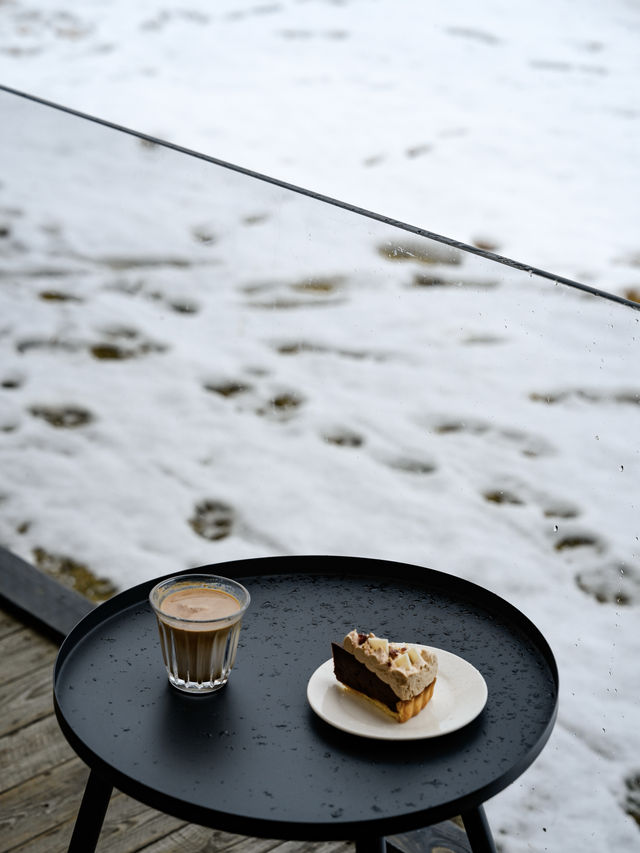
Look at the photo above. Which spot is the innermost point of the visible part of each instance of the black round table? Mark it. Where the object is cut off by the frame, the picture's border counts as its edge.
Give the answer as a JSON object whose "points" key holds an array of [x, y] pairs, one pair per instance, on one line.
{"points": [[253, 758]]}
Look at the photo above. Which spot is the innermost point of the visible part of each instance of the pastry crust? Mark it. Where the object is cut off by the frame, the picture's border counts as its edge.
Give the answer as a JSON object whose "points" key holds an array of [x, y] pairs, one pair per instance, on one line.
{"points": [[405, 708]]}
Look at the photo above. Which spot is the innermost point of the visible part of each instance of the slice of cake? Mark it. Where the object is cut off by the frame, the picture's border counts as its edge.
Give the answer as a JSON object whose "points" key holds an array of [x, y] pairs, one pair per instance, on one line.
{"points": [[397, 677]]}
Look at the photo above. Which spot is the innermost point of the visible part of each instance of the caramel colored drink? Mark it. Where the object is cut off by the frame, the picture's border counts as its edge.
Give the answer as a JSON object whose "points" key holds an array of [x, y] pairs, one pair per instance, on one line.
{"points": [[199, 619]]}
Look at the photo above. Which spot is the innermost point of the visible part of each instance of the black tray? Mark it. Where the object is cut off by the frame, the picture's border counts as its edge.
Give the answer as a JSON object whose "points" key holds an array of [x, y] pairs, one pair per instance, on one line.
{"points": [[254, 758]]}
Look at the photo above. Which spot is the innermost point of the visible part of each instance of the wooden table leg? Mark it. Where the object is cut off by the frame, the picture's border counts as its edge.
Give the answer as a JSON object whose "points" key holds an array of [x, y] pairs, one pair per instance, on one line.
{"points": [[91, 815], [478, 832]]}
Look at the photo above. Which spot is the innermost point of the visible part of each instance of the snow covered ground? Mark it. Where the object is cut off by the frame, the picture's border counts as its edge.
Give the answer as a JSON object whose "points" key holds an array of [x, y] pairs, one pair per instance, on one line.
{"points": [[219, 368], [518, 122]]}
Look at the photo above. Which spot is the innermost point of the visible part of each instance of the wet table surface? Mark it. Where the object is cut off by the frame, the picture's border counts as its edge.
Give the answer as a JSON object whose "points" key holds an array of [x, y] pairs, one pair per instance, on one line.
{"points": [[254, 758]]}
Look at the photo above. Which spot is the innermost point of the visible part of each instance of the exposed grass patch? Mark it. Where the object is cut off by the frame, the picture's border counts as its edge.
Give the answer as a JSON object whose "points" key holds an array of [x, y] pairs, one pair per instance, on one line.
{"points": [[561, 512], [344, 438], [285, 401], [486, 244], [632, 803], [255, 218], [584, 395], [52, 344], [577, 540], [74, 574], [184, 306], [613, 583], [501, 496], [429, 280], [64, 417], [227, 389], [124, 343], [318, 284], [281, 405], [204, 235], [57, 296], [423, 280], [412, 466], [421, 252], [212, 519], [11, 383]]}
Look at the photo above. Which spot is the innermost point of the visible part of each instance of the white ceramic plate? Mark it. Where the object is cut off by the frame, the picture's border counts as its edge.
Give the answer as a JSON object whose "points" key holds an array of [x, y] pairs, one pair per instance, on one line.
{"points": [[458, 697]]}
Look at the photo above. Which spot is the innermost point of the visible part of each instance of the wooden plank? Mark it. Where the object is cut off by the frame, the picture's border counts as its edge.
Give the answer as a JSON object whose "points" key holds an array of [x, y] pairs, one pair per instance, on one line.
{"points": [[130, 826], [27, 678], [197, 839], [42, 779], [39, 814], [8, 623], [55, 840], [39, 804], [315, 847], [32, 750], [448, 835], [23, 651], [242, 843], [27, 699], [194, 839]]}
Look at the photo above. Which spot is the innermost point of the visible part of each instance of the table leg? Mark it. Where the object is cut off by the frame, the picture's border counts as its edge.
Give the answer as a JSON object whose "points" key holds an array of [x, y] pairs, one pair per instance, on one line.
{"points": [[370, 844], [478, 832], [91, 815]]}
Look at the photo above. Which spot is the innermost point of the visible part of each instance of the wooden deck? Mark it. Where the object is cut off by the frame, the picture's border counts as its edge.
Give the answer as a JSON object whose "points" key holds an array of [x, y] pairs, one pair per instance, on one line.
{"points": [[42, 780]]}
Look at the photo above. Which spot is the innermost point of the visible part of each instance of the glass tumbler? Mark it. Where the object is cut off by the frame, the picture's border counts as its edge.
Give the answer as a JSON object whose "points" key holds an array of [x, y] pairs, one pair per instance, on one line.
{"points": [[199, 618]]}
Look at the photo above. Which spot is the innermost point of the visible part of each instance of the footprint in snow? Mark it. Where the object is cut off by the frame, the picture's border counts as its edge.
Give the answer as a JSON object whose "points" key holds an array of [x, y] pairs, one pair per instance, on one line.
{"points": [[411, 465], [614, 583], [212, 519], [227, 388], [578, 539], [65, 417], [632, 800], [502, 496], [343, 437], [527, 443]]}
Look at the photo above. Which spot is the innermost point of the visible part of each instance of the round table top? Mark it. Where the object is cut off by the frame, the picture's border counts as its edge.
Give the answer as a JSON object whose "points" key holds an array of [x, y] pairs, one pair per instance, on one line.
{"points": [[253, 758]]}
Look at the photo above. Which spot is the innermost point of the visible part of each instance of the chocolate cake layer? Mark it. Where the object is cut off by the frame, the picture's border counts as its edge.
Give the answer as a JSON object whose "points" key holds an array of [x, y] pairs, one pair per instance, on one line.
{"points": [[354, 674]]}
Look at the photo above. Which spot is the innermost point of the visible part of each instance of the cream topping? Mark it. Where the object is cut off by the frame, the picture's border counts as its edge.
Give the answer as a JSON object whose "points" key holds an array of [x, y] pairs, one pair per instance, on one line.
{"points": [[406, 667], [200, 604]]}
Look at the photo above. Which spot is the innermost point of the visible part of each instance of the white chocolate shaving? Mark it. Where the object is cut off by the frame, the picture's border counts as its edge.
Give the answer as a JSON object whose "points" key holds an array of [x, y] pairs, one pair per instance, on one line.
{"points": [[403, 661], [414, 655]]}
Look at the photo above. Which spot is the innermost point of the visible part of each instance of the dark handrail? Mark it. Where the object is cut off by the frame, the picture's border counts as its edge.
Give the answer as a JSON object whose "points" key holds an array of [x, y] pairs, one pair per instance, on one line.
{"points": [[39, 600]]}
